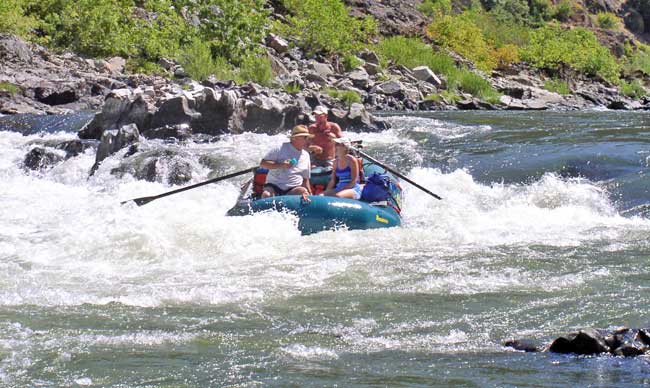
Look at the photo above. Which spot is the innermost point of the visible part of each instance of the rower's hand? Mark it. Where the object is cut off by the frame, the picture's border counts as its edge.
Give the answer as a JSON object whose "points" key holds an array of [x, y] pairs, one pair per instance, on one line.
{"points": [[305, 197], [315, 149]]}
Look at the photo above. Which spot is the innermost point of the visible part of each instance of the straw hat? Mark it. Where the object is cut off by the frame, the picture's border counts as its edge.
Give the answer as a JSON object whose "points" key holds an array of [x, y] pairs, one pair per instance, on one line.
{"points": [[300, 130]]}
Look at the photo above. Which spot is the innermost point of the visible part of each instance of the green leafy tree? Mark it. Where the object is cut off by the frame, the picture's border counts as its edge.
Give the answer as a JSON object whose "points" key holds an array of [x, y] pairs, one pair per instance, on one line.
{"points": [[552, 47], [13, 19], [326, 26]]}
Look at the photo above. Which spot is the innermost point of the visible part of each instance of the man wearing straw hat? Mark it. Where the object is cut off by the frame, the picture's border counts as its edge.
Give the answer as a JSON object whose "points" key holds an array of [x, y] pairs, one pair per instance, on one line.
{"points": [[289, 166]]}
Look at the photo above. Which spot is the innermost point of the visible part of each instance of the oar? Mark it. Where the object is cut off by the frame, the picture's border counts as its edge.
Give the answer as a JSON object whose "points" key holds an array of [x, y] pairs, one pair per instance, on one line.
{"points": [[375, 161], [146, 200]]}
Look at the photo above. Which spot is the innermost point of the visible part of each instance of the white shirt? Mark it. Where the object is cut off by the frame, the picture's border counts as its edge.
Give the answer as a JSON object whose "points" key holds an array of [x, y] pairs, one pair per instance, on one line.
{"points": [[287, 178]]}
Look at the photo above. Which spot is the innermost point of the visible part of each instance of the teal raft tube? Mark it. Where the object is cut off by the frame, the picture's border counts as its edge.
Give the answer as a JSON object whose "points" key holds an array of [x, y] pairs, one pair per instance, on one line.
{"points": [[321, 213]]}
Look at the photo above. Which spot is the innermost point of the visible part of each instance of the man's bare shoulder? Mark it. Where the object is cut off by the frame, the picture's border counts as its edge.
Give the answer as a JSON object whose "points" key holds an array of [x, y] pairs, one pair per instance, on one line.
{"points": [[312, 127], [336, 128]]}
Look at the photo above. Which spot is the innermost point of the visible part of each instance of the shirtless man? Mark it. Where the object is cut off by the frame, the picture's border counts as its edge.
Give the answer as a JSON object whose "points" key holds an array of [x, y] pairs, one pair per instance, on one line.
{"points": [[322, 144]]}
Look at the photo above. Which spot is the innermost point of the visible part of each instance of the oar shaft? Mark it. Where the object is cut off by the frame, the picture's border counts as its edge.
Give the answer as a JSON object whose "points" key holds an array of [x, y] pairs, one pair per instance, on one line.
{"points": [[397, 173], [145, 200]]}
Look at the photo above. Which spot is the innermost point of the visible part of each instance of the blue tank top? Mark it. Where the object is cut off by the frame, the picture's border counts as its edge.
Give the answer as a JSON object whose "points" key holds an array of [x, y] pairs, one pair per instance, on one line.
{"points": [[344, 175]]}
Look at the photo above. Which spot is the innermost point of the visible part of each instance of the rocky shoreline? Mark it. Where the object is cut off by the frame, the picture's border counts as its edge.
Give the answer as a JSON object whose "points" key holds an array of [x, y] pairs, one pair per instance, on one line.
{"points": [[128, 106]]}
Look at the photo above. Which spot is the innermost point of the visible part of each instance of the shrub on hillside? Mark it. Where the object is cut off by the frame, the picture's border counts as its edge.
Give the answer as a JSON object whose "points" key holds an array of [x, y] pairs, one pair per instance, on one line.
{"points": [[633, 89], [234, 28], [433, 8], [460, 34], [412, 52], [558, 86], [326, 26], [13, 19], [552, 47], [608, 21]]}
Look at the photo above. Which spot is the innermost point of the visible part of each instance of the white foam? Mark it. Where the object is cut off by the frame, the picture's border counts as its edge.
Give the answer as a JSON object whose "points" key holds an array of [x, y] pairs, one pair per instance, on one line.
{"points": [[66, 240]]}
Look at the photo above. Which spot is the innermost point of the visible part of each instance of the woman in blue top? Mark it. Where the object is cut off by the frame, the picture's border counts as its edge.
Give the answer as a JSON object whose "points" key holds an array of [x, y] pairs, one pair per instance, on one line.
{"points": [[346, 169]]}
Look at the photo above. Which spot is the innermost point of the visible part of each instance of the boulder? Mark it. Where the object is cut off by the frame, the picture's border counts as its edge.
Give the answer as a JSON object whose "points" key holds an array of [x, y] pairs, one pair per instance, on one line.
{"points": [[324, 70], [359, 77], [179, 132], [586, 342], [390, 88], [155, 166], [424, 73], [113, 141], [40, 158], [215, 111], [277, 43], [174, 111], [118, 110], [265, 114]]}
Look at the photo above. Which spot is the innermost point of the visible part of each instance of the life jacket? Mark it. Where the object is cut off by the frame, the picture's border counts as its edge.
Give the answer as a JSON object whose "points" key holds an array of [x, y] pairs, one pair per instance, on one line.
{"points": [[259, 180]]}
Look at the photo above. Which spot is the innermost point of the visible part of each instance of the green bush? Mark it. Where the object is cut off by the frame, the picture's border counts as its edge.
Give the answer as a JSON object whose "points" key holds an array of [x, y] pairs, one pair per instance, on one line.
{"points": [[639, 60], [563, 11], [199, 64], [325, 26], [552, 47], [13, 19], [633, 89], [255, 68], [477, 86], [608, 21], [540, 11], [434, 8], [234, 28], [154, 29], [351, 61], [348, 97], [412, 52], [557, 86], [461, 34], [9, 87]]}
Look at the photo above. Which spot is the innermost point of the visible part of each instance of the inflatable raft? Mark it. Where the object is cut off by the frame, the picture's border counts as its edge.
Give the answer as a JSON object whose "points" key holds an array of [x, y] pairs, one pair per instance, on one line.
{"points": [[323, 213]]}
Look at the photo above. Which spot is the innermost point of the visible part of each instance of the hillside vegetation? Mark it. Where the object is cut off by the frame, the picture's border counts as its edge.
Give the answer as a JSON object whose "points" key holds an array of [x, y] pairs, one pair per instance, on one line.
{"points": [[225, 37]]}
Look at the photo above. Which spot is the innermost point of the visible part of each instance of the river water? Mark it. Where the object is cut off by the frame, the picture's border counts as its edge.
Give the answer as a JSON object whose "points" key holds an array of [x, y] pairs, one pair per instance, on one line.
{"points": [[543, 229]]}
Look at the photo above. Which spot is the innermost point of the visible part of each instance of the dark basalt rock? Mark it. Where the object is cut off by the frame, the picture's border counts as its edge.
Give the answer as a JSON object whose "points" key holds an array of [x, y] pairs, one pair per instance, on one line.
{"points": [[523, 345], [39, 158], [623, 342]]}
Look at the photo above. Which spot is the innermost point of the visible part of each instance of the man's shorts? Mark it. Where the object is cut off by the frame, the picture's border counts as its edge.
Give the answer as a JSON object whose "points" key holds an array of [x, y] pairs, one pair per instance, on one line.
{"points": [[277, 190]]}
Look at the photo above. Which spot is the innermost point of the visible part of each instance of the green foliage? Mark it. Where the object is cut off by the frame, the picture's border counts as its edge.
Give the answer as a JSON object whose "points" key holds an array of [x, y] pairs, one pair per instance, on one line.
{"points": [[552, 47], [13, 19], [434, 8], [292, 88], [255, 68], [144, 31], [640, 60], [608, 21], [477, 86], [234, 28], [563, 11], [9, 87], [351, 61], [540, 12], [633, 89], [512, 11], [557, 86], [501, 28], [348, 97], [412, 52], [325, 26], [199, 64], [461, 34]]}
